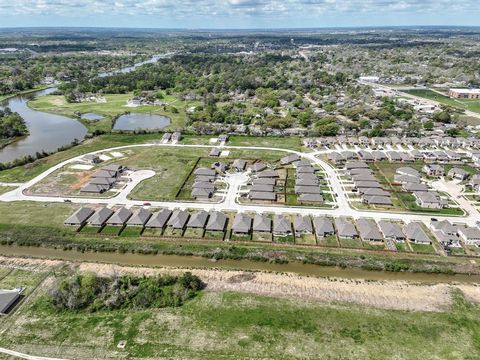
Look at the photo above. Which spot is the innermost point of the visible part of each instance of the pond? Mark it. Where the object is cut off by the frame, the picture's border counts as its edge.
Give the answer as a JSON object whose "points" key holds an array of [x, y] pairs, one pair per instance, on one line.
{"points": [[47, 132], [91, 116], [141, 121]]}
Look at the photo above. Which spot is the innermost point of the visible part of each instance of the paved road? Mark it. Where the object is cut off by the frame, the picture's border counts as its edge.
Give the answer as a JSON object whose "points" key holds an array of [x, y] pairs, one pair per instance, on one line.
{"points": [[25, 356], [229, 204]]}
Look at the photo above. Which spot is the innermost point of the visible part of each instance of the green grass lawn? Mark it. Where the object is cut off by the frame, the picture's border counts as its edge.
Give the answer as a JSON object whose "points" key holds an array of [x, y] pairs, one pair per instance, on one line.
{"points": [[328, 241], [401, 246], [351, 243], [132, 231], [423, 248], [472, 105], [373, 246], [228, 325]]}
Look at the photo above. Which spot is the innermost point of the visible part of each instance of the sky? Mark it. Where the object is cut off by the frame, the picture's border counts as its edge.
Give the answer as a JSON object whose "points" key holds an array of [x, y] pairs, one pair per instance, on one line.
{"points": [[225, 14]]}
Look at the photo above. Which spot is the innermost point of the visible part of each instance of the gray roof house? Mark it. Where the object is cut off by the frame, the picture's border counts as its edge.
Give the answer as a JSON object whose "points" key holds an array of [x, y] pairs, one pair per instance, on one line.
{"points": [[302, 163], [198, 219], [204, 178], [262, 195], [104, 174], [239, 164], [139, 217], [323, 226], [377, 200], [282, 226], [79, 217], [368, 230], [391, 230], [242, 223], [429, 200], [268, 174], [264, 181], [406, 170], [203, 185], [402, 179], [120, 217], [259, 166], [201, 193], [179, 219], [306, 170], [94, 188], [103, 181], [378, 155], [289, 159], [335, 157], [307, 182], [303, 225], [345, 229], [364, 177], [373, 192], [307, 189], [416, 234], [159, 219], [469, 235], [8, 298], [434, 170], [366, 156], [205, 172], [411, 187], [303, 176], [310, 198], [262, 223], [261, 187], [358, 171], [215, 152], [367, 184], [394, 156], [356, 165], [100, 217], [217, 221], [457, 173]]}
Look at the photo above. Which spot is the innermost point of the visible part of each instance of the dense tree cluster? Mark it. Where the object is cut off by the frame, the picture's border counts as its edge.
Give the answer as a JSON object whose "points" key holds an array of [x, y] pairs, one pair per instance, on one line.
{"points": [[11, 124], [91, 292]]}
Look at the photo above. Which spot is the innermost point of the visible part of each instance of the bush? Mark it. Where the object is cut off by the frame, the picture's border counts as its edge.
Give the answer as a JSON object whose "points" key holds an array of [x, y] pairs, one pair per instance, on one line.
{"points": [[91, 292]]}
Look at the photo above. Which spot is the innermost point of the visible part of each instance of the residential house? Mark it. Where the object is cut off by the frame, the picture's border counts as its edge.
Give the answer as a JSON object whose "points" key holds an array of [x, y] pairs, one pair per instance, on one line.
{"points": [[119, 217], [242, 223], [323, 226], [79, 217], [179, 219], [368, 230], [262, 223], [345, 229], [139, 217], [469, 235], [429, 200], [457, 173], [434, 170], [416, 234], [198, 220], [217, 221], [100, 217], [282, 226], [310, 199], [391, 230], [159, 219], [303, 225]]}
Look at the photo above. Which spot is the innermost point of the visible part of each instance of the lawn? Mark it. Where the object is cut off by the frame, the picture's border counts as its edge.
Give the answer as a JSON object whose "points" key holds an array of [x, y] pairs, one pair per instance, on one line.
{"points": [[351, 243], [221, 325], [423, 248], [328, 241], [472, 105]]}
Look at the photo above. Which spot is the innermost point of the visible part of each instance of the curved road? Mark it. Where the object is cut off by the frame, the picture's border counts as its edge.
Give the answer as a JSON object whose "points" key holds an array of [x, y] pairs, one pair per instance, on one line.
{"points": [[343, 209]]}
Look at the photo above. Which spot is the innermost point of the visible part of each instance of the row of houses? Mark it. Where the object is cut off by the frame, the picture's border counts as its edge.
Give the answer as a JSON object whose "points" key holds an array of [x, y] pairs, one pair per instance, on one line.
{"points": [[203, 186], [103, 179], [367, 229], [439, 156], [424, 142], [307, 184], [366, 184], [262, 185]]}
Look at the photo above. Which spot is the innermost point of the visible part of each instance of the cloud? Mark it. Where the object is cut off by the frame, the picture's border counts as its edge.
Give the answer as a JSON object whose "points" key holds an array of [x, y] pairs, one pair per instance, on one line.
{"points": [[226, 10]]}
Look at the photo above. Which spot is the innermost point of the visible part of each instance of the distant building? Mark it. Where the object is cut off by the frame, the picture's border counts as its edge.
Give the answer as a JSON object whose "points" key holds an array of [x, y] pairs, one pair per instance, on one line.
{"points": [[464, 93]]}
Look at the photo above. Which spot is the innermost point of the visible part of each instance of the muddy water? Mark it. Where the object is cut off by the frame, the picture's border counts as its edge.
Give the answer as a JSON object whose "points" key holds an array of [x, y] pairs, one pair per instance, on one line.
{"points": [[199, 262]]}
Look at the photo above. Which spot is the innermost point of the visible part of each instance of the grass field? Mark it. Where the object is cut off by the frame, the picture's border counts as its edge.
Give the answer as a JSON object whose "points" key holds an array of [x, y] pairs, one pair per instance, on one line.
{"points": [[221, 325], [472, 105], [114, 106]]}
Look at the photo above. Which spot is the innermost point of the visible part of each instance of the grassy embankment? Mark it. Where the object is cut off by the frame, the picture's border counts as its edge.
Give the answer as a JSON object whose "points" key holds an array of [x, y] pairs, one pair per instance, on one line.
{"points": [[37, 88], [237, 325]]}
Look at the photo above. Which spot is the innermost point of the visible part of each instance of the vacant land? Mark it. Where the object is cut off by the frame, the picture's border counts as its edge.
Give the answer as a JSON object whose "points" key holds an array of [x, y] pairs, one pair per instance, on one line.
{"points": [[472, 105], [224, 323]]}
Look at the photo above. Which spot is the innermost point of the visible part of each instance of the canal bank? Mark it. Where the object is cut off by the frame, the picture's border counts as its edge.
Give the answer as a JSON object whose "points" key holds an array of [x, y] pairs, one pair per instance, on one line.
{"points": [[197, 262]]}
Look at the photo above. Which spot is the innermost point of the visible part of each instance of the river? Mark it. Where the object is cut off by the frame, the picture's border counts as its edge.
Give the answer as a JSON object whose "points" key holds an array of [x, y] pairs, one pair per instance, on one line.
{"points": [[48, 132], [129, 259]]}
